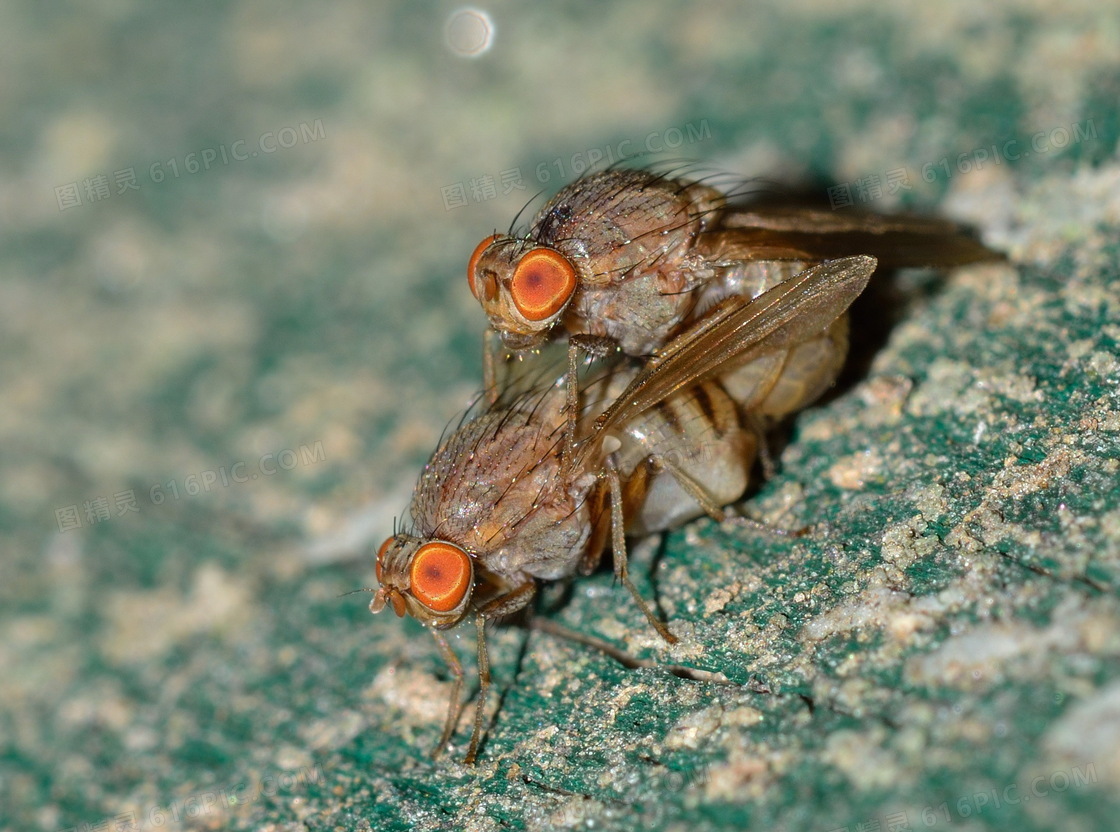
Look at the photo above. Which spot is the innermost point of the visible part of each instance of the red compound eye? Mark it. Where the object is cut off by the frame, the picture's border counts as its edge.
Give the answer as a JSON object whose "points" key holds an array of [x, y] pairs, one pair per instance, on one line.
{"points": [[380, 556], [441, 574], [542, 283], [472, 264]]}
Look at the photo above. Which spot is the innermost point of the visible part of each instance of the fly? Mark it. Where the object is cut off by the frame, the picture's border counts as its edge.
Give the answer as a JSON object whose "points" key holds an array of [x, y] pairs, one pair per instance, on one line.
{"points": [[628, 259], [508, 501]]}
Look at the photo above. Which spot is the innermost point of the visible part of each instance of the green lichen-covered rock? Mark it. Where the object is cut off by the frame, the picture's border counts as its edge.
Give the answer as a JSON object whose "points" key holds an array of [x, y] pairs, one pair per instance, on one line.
{"points": [[221, 380]]}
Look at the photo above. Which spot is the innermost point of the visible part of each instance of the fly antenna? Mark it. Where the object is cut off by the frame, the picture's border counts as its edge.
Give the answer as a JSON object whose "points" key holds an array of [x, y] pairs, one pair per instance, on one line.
{"points": [[353, 591]]}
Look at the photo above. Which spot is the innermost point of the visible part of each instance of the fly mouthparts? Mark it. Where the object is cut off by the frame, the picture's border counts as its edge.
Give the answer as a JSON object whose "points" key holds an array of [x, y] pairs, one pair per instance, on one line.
{"points": [[390, 595]]}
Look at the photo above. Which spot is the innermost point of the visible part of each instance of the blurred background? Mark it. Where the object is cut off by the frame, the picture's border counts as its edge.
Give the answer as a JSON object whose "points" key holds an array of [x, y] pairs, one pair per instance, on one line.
{"points": [[234, 323]]}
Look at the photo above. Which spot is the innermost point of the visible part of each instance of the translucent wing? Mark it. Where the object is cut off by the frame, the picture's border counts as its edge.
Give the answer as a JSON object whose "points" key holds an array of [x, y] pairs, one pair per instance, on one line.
{"points": [[790, 313], [764, 232], [801, 219]]}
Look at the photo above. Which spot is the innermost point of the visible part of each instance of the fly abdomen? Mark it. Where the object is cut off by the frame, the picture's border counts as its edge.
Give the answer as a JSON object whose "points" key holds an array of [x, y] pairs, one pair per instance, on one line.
{"points": [[783, 382], [747, 279], [694, 440]]}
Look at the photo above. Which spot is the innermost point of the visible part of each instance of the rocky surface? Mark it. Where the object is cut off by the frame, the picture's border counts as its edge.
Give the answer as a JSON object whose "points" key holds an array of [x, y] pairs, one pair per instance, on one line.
{"points": [[222, 372]]}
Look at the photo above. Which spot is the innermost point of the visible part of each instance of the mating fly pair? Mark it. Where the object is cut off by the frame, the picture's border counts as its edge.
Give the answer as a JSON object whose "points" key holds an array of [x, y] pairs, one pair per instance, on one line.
{"points": [[717, 319]]}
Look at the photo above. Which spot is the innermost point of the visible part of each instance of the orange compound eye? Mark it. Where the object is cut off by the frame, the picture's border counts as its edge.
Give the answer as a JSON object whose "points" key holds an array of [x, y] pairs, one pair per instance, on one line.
{"points": [[441, 575], [472, 264], [542, 283], [380, 556]]}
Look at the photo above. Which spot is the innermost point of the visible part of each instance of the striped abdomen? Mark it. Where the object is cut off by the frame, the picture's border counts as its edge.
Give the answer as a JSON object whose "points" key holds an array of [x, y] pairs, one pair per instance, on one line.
{"points": [[697, 434]]}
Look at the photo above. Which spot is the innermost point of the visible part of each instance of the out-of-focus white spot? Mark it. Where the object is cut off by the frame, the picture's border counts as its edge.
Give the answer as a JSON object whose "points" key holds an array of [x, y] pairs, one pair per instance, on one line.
{"points": [[469, 33]]}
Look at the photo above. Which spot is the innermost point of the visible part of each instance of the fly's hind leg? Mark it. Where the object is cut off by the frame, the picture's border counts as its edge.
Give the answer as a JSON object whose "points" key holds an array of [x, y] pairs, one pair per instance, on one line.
{"points": [[704, 499], [694, 489], [545, 625], [618, 544], [757, 425]]}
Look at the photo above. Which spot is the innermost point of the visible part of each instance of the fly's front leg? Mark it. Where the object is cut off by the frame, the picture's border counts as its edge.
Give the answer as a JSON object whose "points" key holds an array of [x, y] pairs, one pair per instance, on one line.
{"points": [[456, 689], [596, 346], [510, 602], [483, 688], [489, 365], [571, 407], [618, 544], [505, 604]]}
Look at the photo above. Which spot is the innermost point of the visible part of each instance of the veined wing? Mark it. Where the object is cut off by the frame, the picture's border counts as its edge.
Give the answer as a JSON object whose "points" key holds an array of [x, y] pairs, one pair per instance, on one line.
{"points": [[788, 314], [807, 220], [896, 241]]}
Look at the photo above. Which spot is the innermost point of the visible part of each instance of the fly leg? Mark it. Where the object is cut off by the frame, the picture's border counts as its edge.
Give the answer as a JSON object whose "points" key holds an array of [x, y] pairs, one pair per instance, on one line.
{"points": [[510, 602], [483, 689], [571, 407], [596, 346], [757, 425], [694, 489], [766, 528], [504, 604], [618, 545], [490, 365], [697, 492], [456, 689], [545, 625]]}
